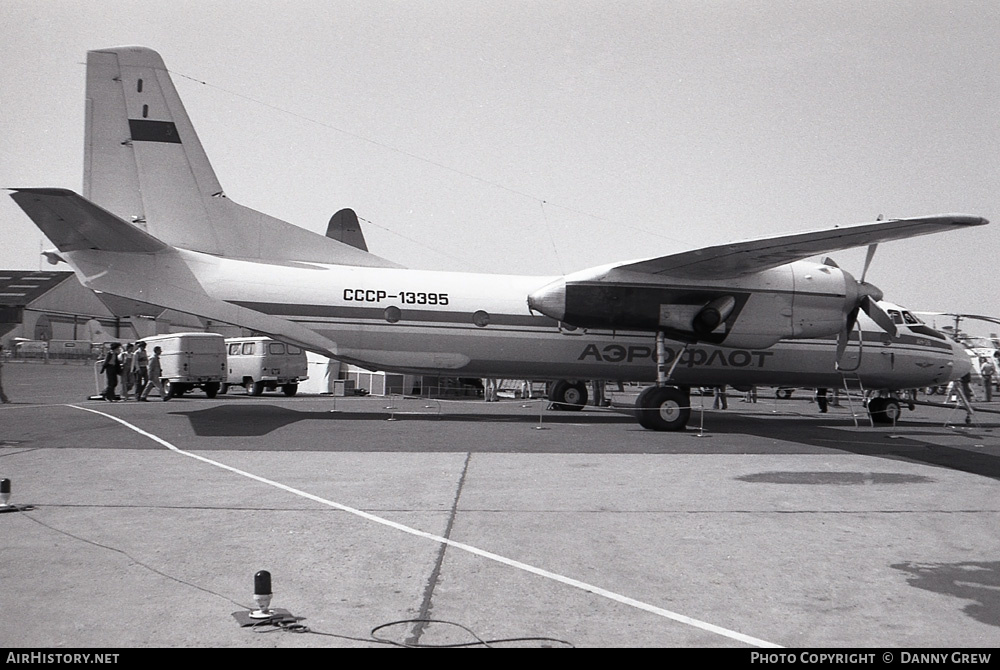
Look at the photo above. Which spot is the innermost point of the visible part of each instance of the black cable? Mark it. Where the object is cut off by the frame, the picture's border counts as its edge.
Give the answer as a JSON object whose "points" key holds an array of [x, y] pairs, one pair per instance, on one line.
{"points": [[134, 560], [479, 641], [287, 626]]}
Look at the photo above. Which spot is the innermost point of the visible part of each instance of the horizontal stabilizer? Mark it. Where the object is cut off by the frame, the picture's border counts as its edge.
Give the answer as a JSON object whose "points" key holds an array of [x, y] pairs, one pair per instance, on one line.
{"points": [[74, 223], [740, 258]]}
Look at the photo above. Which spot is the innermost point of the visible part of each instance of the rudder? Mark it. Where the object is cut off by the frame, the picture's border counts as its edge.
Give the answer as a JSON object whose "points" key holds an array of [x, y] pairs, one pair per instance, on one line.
{"points": [[144, 163]]}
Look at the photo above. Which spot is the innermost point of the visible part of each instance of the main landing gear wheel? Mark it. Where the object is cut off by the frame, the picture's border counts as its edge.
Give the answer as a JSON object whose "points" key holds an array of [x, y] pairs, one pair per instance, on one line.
{"points": [[884, 410], [663, 408], [568, 396]]}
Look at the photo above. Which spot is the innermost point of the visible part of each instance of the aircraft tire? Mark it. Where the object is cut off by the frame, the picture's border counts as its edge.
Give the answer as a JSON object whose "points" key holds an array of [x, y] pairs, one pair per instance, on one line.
{"points": [[884, 410], [642, 405], [568, 396], [874, 407], [663, 408]]}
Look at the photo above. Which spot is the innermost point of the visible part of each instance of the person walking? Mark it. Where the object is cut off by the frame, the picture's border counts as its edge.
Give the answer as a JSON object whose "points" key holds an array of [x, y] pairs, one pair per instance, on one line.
{"points": [[987, 370], [822, 400], [125, 369], [140, 368], [526, 389], [720, 398], [110, 369], [490, 388], [154, 377]]}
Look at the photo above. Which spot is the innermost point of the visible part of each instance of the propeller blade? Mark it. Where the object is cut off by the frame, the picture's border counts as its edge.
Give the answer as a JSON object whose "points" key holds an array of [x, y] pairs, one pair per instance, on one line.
{"points": [[868, 260], [879, 316], [842, 344], [844, 336]]}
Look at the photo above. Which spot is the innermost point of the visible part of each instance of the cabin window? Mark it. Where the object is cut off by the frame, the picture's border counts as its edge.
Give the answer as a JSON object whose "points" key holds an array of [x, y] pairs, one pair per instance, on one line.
{"points": [[138, 86], [392, 314], [481, 319], [275, 348], [234, 350], [248, 348]]}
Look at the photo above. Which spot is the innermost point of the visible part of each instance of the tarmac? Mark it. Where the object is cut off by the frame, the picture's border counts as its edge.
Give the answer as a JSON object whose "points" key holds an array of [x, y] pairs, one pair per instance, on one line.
{"points": [[413, 522]]}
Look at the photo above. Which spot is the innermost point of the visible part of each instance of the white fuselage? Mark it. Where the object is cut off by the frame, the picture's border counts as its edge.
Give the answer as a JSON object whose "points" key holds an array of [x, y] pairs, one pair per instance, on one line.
{"points": [[476, 325]]}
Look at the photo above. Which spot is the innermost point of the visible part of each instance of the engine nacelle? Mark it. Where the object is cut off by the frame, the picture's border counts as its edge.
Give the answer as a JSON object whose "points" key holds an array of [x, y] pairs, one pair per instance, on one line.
{"points": [[799, 300]]}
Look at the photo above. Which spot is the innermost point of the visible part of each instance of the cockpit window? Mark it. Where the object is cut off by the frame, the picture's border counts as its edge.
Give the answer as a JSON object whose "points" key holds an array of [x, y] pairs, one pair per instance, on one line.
{"points": [[897, 318], [910, 319]]}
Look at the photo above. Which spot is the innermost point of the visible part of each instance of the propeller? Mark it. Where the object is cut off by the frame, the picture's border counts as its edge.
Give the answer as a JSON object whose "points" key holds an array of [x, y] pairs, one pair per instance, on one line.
{"points": [[862, 296]]}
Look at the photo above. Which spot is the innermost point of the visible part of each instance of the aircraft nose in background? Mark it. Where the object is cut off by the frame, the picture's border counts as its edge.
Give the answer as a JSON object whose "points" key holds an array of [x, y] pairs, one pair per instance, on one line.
{"points": [[550, 300]]}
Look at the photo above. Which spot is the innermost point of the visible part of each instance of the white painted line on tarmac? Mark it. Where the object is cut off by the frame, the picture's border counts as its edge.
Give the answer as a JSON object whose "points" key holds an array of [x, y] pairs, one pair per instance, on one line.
{"points": [[569, 581]]}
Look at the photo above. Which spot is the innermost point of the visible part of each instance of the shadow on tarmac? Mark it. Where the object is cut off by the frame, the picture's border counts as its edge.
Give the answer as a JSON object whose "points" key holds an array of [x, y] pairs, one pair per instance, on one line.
{"points": [[261, 419], [923, 445], [975, 581], [915, 443]]}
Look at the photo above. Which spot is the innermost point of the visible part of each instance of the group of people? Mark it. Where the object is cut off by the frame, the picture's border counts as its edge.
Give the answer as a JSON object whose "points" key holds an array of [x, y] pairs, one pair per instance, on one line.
{"points": [[491, 389], [134, 370], [750, 395]]}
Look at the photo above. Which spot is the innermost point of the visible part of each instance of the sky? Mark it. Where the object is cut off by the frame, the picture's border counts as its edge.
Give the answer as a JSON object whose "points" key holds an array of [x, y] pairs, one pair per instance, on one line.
{"points": [[544, 137]]}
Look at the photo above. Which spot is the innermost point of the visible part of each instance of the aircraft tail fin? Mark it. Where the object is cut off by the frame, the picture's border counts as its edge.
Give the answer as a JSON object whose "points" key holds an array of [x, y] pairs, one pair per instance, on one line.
{"points": [[144, 163]]}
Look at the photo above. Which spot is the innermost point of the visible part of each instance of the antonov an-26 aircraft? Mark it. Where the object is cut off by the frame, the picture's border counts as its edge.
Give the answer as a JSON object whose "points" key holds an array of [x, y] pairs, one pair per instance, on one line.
{"points": [[154, 225]]}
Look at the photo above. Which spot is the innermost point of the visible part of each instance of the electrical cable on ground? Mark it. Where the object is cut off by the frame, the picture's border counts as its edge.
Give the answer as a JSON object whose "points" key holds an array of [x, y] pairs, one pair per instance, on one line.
{"points": [[290, 624]]}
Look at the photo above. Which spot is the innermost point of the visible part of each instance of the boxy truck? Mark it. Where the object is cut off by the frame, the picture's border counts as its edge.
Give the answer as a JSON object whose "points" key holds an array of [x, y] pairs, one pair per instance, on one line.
{"points": [[190, 360], [259, 363]]}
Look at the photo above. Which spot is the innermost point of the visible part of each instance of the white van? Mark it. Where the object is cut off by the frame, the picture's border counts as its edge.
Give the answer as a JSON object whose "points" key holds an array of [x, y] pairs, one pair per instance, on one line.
{"points": [[190, 360], [258, 363]]}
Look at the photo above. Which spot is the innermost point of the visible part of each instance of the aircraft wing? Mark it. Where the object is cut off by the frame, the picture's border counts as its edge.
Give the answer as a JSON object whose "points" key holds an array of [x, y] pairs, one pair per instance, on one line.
{"points": [[74, 223], [739, 258]]}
